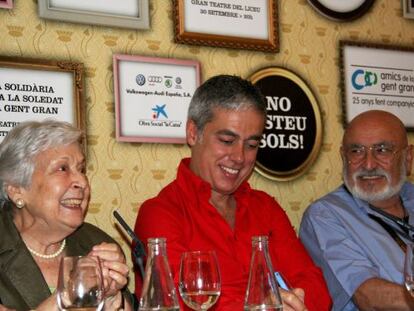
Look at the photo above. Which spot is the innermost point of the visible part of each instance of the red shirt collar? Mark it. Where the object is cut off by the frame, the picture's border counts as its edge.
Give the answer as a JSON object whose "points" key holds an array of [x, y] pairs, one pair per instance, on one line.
{"points": [[201, 187]]}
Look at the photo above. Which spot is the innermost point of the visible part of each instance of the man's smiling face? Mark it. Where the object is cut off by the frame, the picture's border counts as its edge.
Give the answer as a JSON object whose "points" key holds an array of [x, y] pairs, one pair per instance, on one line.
{"points": [[224, 153]]}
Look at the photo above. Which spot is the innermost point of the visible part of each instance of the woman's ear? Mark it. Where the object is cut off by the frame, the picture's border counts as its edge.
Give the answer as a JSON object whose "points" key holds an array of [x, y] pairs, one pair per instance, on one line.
{"points": [[13, 192]]}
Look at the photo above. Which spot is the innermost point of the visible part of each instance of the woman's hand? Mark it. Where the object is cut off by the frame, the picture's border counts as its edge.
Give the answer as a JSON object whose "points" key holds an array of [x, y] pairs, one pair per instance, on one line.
{"points": [[49, 304], [114, 270], [3, 308], [293, 300]]}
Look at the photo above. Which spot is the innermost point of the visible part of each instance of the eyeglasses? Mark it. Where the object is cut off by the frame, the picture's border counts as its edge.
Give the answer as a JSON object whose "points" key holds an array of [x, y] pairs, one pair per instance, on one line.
{"points": [[383, 153]]}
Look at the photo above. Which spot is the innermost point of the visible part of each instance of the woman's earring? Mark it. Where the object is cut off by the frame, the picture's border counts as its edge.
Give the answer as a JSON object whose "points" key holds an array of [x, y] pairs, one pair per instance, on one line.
{"points": [[20, 203]]}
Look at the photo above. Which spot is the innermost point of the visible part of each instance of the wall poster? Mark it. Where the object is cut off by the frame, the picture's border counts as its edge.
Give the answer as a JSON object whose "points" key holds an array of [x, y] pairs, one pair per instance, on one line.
{"points": [[39, 89], [293, 131], [152, 96], [126, 13], [377, 77], [6, 4], [240, 24], [408, 8]]}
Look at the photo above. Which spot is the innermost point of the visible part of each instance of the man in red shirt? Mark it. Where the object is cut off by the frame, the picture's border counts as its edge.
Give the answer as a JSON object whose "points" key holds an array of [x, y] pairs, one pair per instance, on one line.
{"points": [[210, 205]]}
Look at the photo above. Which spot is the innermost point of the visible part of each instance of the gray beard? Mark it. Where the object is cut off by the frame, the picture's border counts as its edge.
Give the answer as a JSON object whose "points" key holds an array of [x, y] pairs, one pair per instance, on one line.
{"points": [[384, 194]]}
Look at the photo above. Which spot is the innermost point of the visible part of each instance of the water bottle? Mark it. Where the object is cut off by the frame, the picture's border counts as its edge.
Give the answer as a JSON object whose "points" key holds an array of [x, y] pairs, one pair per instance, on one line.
{"points": [[262, 291], [158, 290]]}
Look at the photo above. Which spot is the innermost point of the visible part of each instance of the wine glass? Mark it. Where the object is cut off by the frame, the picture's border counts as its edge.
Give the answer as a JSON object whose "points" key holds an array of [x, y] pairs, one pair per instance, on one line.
{"points": [[409, 269], [199, 280], [80, 284]]}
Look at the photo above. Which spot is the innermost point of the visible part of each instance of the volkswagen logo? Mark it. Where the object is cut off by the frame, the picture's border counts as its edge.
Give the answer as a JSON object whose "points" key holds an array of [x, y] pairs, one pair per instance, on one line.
{"points": [[154, 79], [140, 79]]}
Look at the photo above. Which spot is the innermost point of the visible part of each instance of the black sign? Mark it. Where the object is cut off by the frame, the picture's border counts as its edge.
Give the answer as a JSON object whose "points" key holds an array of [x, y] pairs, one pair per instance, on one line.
{"points": [[292, 136]]}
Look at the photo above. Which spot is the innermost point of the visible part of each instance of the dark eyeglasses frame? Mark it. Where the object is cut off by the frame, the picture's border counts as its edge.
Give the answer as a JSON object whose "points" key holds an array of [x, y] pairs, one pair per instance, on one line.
{"points": [[363, 156]]}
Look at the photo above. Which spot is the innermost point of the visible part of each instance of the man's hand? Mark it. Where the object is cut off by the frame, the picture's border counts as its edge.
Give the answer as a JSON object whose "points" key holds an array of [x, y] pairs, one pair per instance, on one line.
{"points": [[293, 300], [380, 294]]}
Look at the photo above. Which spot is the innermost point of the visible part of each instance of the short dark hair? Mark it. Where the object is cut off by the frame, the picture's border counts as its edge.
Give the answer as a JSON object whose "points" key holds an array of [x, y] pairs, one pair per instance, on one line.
{"points": [[225, 92]]}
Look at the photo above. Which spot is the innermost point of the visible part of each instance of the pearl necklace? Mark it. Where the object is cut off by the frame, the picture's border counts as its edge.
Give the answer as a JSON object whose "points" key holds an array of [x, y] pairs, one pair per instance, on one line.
{"points": [[51, 256]]}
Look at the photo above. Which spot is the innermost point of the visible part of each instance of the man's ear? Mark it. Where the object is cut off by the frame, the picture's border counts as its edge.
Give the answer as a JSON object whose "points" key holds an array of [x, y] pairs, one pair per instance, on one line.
{"points": [[409, 159], [191, 133], [342, 153]]}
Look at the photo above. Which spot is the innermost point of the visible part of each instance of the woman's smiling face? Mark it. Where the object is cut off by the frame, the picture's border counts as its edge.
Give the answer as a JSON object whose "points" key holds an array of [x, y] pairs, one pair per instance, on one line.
{"points": [[59, 192]]}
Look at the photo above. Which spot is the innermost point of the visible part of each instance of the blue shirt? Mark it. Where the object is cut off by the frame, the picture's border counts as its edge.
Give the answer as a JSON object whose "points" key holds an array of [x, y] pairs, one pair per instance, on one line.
{"points": [[349, 246]]}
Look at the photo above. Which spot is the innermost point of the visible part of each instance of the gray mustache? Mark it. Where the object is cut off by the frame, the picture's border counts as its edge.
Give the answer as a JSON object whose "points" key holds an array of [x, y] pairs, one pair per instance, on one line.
{"points": [[370, 173]]}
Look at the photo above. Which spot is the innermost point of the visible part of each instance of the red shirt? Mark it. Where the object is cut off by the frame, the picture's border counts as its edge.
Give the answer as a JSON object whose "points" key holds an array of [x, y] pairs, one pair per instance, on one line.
{"points": [[182, 214]]}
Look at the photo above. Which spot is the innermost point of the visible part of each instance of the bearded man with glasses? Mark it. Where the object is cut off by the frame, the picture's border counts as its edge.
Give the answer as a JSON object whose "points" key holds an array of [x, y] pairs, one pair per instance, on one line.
{"points": [[349, 232]]}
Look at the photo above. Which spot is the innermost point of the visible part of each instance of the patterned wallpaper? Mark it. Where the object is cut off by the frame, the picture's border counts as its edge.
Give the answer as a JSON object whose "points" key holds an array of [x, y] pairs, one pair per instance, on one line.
{"points": [[123, 175]]}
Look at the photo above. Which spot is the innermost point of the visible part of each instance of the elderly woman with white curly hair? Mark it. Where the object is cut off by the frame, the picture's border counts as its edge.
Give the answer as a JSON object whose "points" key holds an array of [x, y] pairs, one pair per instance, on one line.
{"points": [[44, 196]]}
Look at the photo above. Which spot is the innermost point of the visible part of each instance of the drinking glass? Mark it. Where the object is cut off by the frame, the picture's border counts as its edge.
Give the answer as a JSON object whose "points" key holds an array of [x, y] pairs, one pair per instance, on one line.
{"points": [[409, 269], [80, 284], [199, 280]]}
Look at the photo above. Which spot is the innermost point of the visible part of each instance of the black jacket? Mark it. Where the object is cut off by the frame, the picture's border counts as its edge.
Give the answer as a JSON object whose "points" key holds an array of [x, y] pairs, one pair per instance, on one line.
{"points": [[22, 286]]}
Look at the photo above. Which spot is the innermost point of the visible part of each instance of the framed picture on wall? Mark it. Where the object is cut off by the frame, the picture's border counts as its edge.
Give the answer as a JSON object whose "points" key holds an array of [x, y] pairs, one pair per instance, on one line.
{"points": [[239, 24], [340, 10], [6, 4], [408, 8], [33, 89], [152, 96], [286, 152], [126, 13], [377, 77]]}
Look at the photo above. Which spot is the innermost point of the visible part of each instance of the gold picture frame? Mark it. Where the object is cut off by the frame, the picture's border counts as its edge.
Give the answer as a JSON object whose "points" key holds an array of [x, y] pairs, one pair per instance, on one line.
{"points": [[248, 24]]}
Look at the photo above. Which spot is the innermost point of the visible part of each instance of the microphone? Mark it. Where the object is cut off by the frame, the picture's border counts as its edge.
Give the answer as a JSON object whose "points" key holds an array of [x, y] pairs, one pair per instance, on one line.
{"points": [[138, 252], [393, 218]]}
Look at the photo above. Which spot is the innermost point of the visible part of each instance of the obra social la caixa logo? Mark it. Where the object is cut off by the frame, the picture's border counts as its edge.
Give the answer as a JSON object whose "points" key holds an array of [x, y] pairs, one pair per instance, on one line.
{"points": [[363, 78], [159, 110]]}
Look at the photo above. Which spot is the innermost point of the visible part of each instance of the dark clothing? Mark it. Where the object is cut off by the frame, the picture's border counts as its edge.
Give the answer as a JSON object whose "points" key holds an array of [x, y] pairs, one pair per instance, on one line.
{"points": [[22, 286]]}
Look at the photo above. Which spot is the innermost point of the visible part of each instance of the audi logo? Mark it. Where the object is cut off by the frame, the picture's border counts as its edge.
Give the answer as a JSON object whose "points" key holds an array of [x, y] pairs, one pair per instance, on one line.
{"points": [[155, 79]]}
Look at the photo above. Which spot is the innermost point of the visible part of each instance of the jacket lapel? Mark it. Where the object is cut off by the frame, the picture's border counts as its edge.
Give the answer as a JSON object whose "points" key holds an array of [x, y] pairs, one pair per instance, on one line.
{"points": [[25, 276], [18, 269]]}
